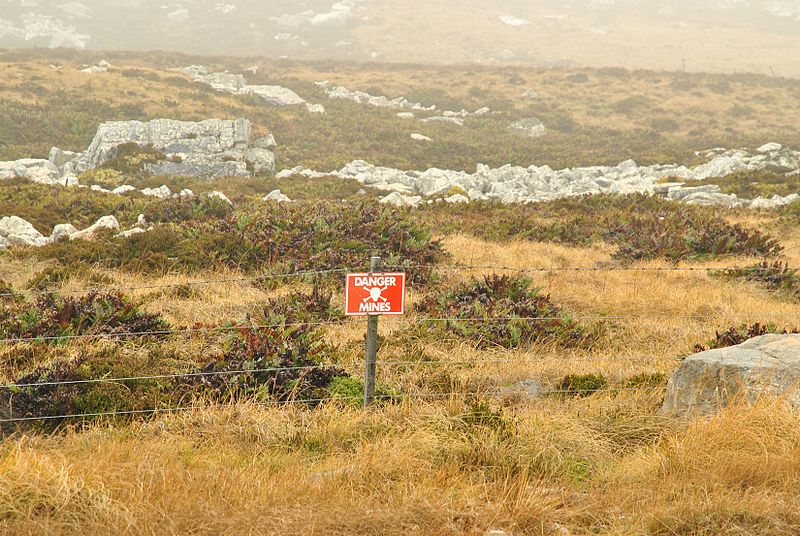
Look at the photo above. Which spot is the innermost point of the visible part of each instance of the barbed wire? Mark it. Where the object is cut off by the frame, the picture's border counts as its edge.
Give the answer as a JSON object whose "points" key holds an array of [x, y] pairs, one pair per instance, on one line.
{"points": [[310, 401], [201, 282], [389, 363], [406, 319], [304, 273]]}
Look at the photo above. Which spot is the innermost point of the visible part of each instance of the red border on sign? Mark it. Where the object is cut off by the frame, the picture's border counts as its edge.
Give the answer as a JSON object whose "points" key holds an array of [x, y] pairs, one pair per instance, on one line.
{"points": [[401, 275]]}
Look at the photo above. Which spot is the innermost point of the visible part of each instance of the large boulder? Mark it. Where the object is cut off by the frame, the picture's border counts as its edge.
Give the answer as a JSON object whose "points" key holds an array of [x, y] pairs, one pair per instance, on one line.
{"points": [[33, 169], [764, 366], [17, 231], [201, 148]]}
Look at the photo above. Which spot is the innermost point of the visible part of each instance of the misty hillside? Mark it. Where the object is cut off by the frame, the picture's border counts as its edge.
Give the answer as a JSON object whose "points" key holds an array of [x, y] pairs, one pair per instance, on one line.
{"points": [[718, 35]]}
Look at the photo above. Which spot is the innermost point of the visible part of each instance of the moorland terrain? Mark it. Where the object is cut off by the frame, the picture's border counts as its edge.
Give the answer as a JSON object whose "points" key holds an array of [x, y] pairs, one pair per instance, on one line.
{"points": [[217, 386]]}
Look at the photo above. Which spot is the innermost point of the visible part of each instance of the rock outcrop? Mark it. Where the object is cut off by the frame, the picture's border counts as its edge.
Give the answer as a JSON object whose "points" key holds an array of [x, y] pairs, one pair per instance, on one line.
{"points": [[766, 366], [15, 231], [398, 103], [514, 184], [205, 149], [236, 84]]}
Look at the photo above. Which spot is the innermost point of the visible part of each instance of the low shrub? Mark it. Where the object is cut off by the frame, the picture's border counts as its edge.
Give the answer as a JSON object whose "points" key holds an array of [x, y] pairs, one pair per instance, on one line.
{"points": [[54, 316], [56, 276], [687, 234], [580, 385], [282, 364], [281, 237], [642, 227], [774, 276], [500, 310], [738, 334], [185, 209]]}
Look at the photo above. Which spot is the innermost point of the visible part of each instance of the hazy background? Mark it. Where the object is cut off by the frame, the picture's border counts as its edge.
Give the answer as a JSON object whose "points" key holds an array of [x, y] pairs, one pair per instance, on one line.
{"points": [[713, 35]]}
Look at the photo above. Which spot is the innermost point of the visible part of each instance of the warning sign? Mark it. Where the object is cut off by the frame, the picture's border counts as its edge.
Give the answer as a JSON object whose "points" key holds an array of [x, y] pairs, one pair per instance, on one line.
{"points": [[375, 294]]}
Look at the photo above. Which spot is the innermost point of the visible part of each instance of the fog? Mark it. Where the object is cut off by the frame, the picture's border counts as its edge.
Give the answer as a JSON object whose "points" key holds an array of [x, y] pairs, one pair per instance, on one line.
{"points": [[717, 35]]}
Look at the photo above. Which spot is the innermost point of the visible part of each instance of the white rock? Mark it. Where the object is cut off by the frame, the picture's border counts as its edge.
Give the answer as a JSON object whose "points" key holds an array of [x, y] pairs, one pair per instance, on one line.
{"points": [[18, 231], [456, 198], [141, 221], [770, 147], [530, 94], [448, 120], [277, 196], [315, 108], [106, 222], [531, 128], [399, 200], [62, 231], [162, 192], [406, 115], [32, 169], [186, 192], [420, 137], [220, 196], [511, 20], [125, 188], [95, 69], [261, 160], [131, 232], [267, 142]]}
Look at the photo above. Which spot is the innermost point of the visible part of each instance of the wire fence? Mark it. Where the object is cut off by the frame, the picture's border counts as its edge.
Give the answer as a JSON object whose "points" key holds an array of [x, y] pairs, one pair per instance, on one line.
{"points": [[388, 364]]}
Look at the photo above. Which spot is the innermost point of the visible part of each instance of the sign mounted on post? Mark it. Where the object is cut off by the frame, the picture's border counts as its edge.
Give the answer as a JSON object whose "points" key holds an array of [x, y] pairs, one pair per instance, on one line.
{"points": [[375, 294]]}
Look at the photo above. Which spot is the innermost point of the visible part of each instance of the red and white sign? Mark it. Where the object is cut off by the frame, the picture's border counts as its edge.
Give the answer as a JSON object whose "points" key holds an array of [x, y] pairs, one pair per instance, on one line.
{"points": [[375, 294]]}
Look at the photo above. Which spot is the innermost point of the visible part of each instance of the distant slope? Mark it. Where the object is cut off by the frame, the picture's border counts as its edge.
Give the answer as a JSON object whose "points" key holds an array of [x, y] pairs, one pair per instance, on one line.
{"points": [[716, 36], [592, 117]]}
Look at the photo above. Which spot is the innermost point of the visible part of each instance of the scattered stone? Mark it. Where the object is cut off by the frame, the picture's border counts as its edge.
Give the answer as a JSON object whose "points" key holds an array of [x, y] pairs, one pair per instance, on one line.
{"points": [[61, 232], [406, 115], [763, 366], [442, 119], [131, 232], [511, 20], [456, 198], [186, 192], [141, 220], [125, 188], [237, 84], [315, 108], [277, 196], [106, 222], [399, 200], [220, 196], [531, 128], [530, 94], [162, 192], [420, 137]]}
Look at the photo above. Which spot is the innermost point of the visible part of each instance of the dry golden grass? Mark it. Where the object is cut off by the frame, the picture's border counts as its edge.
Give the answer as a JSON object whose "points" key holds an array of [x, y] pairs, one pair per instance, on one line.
{"points": [[605, 464]]}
